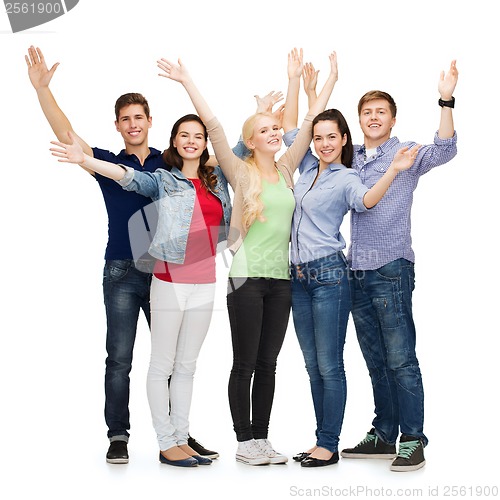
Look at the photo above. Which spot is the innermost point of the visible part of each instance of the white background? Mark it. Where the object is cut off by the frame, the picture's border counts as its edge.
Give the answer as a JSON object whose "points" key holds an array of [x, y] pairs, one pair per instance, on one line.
{"points": [[54, 231]]}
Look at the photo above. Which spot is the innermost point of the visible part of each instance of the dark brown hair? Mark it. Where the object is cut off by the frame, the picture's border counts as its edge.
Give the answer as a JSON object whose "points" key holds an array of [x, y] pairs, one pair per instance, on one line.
{"points": [[128, 99], [172, 157], [336, 116]]}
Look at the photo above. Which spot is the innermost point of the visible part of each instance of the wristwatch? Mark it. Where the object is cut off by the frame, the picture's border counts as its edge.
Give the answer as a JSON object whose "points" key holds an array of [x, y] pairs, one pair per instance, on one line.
{"points": [[448, 104]]}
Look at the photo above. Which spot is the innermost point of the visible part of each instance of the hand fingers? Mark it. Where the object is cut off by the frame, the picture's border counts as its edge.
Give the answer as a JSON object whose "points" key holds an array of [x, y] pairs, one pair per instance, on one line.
{"points": [[164, 63], [277, 97], [58, 152], [30, 58], [413, 152], [39, 53]]}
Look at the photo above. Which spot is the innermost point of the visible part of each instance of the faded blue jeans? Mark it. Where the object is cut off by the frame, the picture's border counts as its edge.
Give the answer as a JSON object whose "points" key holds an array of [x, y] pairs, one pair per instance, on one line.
{"points": [[126, 292], [320, 309], [382, 313]]}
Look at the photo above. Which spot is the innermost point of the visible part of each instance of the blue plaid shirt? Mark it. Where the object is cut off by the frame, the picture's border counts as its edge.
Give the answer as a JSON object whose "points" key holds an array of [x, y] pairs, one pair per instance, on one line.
{"points": [[383, 234]]}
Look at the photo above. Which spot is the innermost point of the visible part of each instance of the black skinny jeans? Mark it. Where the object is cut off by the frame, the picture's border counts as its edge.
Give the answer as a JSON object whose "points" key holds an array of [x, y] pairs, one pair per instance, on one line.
{"points": [[258, 309]]}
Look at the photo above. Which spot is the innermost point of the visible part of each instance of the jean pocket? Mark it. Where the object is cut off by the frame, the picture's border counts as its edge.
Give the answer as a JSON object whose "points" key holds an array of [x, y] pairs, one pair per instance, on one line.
{"points": [[329, 276], [391, 271], [115, 270]]}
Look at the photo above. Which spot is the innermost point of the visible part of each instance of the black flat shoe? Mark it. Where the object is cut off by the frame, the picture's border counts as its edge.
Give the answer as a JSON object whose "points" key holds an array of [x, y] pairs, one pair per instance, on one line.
{"points": [[301, 456], [317, 462], [183, 462]]}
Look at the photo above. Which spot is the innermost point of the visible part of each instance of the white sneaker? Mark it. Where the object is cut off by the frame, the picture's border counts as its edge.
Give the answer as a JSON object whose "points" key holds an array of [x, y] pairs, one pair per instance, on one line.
{"points": [[268, 450], [249, 453]]}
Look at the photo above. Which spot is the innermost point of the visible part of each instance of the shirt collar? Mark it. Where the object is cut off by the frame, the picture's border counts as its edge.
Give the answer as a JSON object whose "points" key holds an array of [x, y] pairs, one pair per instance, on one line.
{"points": [[382, 149], [153, 153]]}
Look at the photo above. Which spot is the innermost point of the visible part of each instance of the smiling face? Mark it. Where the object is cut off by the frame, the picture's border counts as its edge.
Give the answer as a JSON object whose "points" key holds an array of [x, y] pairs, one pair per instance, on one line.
{"points": [[133, 125], [190, 140], [266, 136], [376, 121], [328, 142]]}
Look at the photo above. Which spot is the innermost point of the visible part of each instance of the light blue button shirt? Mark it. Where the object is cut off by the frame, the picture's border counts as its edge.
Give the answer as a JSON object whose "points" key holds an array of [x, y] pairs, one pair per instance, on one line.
{"points": [[320, 208]]}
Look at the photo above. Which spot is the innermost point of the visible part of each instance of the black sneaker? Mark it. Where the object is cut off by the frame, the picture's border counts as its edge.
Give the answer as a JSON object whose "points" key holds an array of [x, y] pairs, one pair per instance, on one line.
{"points": [[370, 447], [410, 455], [117, 453], [200, 449]]}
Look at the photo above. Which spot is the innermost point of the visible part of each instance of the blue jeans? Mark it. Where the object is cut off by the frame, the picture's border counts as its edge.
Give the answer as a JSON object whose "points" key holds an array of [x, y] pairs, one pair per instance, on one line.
{"points": [[382, 313], [126, 292], [320, 309]]}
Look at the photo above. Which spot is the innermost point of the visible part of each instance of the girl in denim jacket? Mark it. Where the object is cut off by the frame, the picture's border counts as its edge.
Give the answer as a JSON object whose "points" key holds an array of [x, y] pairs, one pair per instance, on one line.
{"points": [[194, 208], [259, 294]]}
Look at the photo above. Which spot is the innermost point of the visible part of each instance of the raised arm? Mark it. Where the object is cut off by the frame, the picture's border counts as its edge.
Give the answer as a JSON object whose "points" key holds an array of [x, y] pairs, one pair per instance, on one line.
{"points": [[294, 69], [310, 79], [295, 153], [403, 160], [74, 153], [320, 103], [446, 87], [40, 77], [179, 73], [226, 158]]}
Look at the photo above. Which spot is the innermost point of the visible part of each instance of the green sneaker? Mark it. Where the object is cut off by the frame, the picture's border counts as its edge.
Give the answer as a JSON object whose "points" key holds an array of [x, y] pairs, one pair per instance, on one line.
{"points": [[410, 455], [370, 447]]}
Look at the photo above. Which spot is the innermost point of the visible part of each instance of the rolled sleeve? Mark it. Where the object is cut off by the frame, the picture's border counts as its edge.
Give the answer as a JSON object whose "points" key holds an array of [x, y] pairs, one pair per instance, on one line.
{"points": [[128, 177], [433, 155], [289, 137], [355, 192]]}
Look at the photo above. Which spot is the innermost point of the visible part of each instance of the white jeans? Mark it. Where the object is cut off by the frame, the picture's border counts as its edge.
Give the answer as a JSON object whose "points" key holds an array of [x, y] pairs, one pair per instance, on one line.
{"points": [[180, 317]]}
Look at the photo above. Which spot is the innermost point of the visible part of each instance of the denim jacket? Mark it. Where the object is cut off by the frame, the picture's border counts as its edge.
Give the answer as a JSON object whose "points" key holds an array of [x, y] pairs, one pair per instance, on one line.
{"points": [[175, 197]]}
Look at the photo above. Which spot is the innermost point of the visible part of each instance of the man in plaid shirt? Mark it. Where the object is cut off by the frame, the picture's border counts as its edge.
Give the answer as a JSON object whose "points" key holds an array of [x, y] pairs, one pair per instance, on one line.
{"points": [[382, 278]]}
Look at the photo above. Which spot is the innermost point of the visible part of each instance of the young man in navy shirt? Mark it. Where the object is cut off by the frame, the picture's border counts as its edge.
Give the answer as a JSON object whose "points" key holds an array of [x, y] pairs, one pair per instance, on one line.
{"points": [[126, 283]]}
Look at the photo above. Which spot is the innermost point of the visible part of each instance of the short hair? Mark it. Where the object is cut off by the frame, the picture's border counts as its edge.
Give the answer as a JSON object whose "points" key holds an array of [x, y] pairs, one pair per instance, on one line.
{"points": [[128, 99], [378, 94], [334, 115]]}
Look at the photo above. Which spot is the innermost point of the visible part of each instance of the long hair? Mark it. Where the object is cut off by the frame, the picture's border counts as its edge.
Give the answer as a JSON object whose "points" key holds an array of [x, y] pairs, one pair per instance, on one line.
{"points": [[336, 116], [252, 203], [172, 157]]}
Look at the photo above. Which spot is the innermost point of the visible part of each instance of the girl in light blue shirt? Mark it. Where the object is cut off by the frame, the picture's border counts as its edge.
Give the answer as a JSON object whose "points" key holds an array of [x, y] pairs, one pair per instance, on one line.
{"points": [[326, 190]]}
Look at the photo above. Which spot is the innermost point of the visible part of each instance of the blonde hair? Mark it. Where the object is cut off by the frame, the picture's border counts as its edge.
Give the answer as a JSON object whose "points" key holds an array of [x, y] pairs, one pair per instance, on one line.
{"points": [[252, 204]]}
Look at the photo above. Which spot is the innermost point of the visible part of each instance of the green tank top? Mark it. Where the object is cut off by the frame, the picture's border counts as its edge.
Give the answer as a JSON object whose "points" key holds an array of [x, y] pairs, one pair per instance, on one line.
{"points": [[264, 252]]}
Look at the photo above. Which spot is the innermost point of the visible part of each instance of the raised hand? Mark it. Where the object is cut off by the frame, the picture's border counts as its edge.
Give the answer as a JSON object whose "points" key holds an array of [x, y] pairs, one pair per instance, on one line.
{"points": [[39, 74], [334, 71], [448, 82], [295, 63], [405, 158], [265, 104], [176, 72], [310, 78], [68, 153]]}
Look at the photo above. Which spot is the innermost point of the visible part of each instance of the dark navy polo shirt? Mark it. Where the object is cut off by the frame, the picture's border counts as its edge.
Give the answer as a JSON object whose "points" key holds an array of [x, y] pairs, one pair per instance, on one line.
{"points": [[121, 204]]}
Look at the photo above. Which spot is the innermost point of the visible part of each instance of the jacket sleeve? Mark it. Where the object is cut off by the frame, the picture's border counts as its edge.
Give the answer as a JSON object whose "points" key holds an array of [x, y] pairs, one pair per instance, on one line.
{"points": [[145, 183]]}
